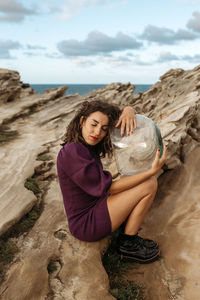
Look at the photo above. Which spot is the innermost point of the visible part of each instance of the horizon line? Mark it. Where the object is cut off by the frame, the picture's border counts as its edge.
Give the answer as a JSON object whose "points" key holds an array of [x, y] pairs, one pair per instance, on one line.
{"points": [[88, 83]]}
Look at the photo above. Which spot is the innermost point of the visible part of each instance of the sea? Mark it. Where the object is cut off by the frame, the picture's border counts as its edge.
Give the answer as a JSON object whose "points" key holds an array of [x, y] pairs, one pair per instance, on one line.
{"points": [[83, 89]]}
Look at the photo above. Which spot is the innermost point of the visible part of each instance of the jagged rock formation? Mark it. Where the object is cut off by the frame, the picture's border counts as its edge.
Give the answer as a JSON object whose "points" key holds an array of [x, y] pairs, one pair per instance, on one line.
{"points": [[40, 121], [11, 88], [174, 104]]}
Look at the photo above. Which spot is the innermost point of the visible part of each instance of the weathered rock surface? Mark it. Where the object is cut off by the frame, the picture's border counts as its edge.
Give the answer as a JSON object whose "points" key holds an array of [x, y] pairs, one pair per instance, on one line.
{"points": [[40, 121], [11, 88], [174, 222], [50, 241], [174, 104]]}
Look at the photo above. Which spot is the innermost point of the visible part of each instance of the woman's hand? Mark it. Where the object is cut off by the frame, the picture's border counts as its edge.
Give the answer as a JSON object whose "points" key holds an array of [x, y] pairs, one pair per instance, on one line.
{"points": [[159, 162], [127, 120]]}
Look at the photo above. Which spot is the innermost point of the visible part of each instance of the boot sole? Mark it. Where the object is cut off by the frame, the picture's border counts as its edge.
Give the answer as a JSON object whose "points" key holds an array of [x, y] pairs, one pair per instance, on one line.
{"points": [[141, 261]]}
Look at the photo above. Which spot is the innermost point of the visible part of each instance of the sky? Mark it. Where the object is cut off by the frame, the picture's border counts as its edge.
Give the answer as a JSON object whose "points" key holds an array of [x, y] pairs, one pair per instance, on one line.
{"points": [[98, 41]]}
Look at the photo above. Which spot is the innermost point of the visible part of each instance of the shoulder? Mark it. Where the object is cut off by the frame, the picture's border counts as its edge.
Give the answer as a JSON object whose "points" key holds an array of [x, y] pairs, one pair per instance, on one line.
{"points": [[74, 151], [73, 157]]}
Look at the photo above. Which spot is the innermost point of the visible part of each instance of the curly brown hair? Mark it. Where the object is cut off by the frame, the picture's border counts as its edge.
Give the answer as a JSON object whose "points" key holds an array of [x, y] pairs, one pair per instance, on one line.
{"points": [[74, 129]]}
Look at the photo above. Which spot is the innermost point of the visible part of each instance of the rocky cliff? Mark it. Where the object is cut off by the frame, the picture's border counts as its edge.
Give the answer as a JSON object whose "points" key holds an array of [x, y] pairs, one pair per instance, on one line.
{"points": [[51, 264]]}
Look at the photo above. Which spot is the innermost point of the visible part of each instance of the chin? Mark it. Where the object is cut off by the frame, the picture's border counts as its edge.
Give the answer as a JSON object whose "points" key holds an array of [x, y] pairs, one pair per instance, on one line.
{"points": [[91, 143]]}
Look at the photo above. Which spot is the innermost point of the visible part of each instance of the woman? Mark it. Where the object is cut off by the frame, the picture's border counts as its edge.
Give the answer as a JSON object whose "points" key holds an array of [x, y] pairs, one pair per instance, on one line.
{"points": [[94, 204]]}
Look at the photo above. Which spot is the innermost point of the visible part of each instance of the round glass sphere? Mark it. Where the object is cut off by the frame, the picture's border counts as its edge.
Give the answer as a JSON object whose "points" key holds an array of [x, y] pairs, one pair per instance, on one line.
{"points": [[136, 153]]}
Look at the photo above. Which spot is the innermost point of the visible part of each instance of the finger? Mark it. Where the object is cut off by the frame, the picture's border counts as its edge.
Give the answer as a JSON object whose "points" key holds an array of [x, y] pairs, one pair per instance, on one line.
{"points": [[157, 155], [164, 156], [135, 122], [118, 122], [132, 122], [122, 127], [127, 127]]}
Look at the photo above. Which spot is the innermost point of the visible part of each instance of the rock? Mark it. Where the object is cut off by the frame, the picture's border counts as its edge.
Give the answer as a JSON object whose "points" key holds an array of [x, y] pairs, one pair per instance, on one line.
{"points": [[57, 92], [9, 85], [78, 274], [11, 88], [174, 73], [117, 93], [174, 223], [40, 120], [29, 104], [174, 105], [41, 246]]}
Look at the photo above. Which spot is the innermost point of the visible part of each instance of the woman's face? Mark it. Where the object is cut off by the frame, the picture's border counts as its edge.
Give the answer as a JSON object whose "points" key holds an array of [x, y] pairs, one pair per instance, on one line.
{"points": [[95, 128]]}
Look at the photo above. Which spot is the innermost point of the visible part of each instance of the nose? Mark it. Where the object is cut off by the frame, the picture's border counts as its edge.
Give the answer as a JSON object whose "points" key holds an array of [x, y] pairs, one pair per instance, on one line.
{"points": [[97, 130]]}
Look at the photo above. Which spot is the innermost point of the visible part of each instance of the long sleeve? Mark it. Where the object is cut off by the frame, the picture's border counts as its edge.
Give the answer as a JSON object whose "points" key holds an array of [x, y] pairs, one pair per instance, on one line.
{"points": [[84, 170]]}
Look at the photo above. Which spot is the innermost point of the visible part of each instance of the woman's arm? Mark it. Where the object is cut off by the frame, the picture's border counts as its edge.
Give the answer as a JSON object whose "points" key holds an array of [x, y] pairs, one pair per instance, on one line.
{"points": [[127, 120], [128, 182]]}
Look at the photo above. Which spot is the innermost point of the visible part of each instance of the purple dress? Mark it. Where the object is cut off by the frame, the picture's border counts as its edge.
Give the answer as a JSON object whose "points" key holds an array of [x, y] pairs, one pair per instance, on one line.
{"points": [[84, 185]]}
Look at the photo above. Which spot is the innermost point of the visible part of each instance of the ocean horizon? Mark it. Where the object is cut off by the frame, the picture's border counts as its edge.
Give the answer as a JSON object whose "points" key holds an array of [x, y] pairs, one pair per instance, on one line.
{"points": [[82, 89]]}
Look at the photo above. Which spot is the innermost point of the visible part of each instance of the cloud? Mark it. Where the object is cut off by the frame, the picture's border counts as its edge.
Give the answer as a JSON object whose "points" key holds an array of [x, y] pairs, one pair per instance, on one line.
{"points": [[30, 54], [83, 62], [194, 59], [54, 55], [194, 23], [125, 61], [166, 56], [166, 36], [97, 43], [70, 8], [35, 47], [14, 11], [6, 46]]}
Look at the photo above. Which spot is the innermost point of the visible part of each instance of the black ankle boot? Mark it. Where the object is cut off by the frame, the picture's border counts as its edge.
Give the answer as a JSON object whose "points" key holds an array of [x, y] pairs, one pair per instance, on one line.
{"points": [[146, 242], [135, 248]]}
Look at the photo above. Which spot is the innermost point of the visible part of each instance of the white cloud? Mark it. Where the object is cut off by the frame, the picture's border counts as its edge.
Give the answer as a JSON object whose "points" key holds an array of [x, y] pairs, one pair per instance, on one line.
{"points": [[162, 35], [125, 61], [35, 47], [166, 56], [83, 62], [98, 43], [6, 46], [14, 11], [194, 23], [70, 8]]}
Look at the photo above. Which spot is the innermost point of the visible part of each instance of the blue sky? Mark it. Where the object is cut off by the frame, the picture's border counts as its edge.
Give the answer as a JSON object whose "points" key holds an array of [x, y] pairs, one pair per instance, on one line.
{"points": [[98, 41]]}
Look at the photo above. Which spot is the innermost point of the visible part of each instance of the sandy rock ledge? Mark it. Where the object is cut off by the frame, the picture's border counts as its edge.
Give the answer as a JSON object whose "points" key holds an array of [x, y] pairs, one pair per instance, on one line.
{"points": [[51, 264]]}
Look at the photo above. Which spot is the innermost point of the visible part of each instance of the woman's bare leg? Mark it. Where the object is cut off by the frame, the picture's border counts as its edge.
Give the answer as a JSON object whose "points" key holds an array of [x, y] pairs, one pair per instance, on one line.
{"points": [[132, 204]]}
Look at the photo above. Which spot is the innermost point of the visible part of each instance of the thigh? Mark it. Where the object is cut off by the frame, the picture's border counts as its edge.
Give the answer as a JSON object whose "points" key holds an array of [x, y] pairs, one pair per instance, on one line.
{"points": [[121, 205]]}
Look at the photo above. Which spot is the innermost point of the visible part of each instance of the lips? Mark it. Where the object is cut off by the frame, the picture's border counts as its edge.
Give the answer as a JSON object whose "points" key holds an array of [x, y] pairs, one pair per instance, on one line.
{"points": [[94, 138]]}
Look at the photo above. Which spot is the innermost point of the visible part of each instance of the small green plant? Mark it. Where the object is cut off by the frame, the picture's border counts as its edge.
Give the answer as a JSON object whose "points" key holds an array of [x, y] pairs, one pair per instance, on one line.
{"points": [[32, 185], [120, 288], [60, 235], [111, 260], [7, 252], [52, 266], [7, 135], [7, 248], [25, 223], [126, 290], [43, 157]]}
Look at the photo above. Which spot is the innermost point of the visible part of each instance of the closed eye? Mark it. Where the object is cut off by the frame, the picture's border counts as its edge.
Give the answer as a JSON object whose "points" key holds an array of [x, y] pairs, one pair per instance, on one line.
{"points": [[105, 129]]}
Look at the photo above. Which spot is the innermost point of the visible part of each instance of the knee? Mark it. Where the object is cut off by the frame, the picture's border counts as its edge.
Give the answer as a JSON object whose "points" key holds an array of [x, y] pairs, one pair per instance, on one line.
{"points": [[152, 185]]}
